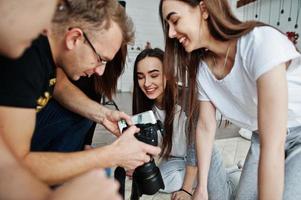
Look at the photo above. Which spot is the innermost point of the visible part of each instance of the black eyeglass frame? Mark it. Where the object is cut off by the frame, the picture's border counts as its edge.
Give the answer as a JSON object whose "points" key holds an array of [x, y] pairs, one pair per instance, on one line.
{"points": [[99, 59]]}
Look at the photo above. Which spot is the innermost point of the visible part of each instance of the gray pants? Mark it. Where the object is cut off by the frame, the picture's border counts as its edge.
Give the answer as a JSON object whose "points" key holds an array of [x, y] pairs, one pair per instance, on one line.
{"points": [[222, 183], [247, 189], [173, 172]]}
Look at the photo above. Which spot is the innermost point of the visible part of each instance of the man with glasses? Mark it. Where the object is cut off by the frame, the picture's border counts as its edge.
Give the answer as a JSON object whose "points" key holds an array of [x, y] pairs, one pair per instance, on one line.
{"points": [[65, 49], [15, 181]]}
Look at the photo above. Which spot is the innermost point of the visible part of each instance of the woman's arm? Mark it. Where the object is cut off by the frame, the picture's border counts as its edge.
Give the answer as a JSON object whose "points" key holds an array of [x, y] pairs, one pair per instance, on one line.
{"points": [[189, 179], [191, 168], [205, 133], [272, 125]]}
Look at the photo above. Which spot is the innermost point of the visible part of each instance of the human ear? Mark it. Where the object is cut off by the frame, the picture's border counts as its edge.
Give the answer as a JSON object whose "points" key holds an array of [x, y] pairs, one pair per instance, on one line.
{"points": [[204, 11], [73, 37]]}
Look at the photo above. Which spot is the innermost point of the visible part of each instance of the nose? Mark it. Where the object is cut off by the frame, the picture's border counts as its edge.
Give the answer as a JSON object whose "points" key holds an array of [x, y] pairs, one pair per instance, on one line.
{"points": [[147, 82], [172, 32], [100, 70]]}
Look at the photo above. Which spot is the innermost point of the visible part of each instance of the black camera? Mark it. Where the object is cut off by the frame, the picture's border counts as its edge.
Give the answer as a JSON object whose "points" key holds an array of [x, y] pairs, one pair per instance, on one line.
{"points": [[147, 178]]}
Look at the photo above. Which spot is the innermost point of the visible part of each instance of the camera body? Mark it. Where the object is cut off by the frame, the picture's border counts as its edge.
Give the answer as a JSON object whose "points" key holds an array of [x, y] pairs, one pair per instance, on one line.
{"points": [[147, 178]]}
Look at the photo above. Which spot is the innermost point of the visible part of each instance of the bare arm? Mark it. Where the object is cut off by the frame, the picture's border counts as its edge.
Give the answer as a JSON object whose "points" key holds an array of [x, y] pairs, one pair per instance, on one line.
{"points": [[92, 185], [272, 123], [16, 182], [205, 133], [72, 98], [17, 124], [189, 179], [126, 151]]}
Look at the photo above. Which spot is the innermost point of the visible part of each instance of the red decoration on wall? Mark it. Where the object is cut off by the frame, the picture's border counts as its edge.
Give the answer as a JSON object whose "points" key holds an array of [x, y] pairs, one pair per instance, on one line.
{"points": [[293, 36]]}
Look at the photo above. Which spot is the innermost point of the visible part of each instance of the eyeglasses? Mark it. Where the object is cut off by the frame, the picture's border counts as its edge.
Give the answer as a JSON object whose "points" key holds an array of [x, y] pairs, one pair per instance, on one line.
{"points": [[99, 59]]}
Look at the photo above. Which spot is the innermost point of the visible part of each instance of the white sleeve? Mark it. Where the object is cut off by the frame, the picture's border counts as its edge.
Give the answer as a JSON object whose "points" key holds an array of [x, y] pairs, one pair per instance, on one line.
{"points": [[265, 48], [202, 96]]}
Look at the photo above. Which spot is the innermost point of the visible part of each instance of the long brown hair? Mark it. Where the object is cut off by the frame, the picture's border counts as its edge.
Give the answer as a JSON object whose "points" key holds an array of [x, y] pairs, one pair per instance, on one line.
{"points": [[142, 103], [107, 83], [222, 25]]}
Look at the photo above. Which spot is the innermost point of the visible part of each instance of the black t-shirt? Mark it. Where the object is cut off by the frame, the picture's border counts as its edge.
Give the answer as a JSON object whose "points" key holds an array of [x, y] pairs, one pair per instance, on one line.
{"points": [[28, 82], [86, 84]]}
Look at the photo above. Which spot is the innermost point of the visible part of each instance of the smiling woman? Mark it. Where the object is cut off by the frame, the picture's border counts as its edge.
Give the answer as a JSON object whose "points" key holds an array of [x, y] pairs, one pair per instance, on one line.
{"points": [[150, 93], [238, 68]]}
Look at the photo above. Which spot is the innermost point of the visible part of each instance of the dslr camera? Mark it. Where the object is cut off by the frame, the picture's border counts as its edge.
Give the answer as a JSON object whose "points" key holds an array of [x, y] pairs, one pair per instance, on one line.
{"points": [[147, 178]]}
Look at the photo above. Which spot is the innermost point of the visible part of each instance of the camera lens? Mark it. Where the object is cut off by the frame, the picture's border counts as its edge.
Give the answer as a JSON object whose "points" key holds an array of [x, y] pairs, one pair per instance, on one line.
{"points": [[148, 178]]}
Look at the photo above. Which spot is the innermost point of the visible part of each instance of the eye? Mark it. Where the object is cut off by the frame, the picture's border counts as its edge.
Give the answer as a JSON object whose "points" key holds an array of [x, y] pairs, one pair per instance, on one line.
{"points": [[174, 20], [139, 77], [155, 75]]}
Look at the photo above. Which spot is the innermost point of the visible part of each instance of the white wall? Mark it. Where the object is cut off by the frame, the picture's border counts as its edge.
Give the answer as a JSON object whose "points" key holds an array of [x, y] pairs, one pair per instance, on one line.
{"points": [[268, 12], [145, 15], [148, 27]]}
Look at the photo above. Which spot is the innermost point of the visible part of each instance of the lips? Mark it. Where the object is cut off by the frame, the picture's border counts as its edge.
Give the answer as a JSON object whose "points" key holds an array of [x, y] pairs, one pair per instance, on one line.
{"points": [[183, 40], [150, 91]]}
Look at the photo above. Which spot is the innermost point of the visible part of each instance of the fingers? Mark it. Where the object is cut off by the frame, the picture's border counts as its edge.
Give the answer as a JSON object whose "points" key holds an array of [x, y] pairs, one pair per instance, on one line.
{"points": [[132, 165], [118, 115], [126, 117], [131, 130], [145, 158], [150, 149]]}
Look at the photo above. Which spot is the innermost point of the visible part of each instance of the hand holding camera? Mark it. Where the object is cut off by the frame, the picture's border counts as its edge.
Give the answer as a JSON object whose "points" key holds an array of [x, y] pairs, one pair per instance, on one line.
{"points": [[147, 178]]}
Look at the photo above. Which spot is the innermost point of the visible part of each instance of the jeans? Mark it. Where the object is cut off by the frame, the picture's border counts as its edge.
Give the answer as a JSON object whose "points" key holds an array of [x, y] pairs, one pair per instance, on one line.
{"points": [[60, 130], [292, 188], [173, 172], [222, 182]]}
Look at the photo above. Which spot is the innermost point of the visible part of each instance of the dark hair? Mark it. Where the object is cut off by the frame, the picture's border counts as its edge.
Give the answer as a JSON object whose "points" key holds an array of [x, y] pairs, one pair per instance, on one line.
{"points": [[107, 83], [222, 25], [141, 103]]}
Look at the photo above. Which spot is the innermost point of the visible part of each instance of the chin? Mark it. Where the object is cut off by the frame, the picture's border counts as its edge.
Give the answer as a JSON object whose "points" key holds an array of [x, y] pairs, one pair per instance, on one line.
{"points": [[13, 53], [189, 48], [152, 96]]}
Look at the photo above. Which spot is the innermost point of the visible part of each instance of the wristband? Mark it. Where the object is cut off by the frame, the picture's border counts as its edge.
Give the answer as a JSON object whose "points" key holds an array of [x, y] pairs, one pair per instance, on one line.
{"points": [[185, 191]]}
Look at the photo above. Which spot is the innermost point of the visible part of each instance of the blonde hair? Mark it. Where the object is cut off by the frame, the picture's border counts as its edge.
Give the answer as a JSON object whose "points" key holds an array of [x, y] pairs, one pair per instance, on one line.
{"points": [[93, 14]]}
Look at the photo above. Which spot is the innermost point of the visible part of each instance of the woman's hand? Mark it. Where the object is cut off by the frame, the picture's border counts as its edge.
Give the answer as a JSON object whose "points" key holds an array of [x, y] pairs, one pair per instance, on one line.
{"points": [[180, 195]]}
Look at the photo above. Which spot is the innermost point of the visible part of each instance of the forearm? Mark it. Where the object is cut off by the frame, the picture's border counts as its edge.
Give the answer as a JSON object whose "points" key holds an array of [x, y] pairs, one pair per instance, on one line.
{"points": [[190, 178], [272, 125], [204, 142], [80, 102], [14, 177], [271, 173], [56, 168]]}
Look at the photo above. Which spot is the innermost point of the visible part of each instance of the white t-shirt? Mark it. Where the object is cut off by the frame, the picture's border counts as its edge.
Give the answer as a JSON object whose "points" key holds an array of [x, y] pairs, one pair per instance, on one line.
{"points": [[179, 142], [235, 96]]}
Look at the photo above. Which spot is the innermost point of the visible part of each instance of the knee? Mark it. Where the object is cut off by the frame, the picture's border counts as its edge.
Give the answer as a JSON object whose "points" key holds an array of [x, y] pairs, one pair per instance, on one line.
{"points": [[172, 182]]}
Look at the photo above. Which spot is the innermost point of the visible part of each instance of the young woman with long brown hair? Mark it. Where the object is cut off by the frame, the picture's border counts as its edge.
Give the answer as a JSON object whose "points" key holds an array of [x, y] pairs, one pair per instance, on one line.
{"points": [[178, 166], [250, 72]]}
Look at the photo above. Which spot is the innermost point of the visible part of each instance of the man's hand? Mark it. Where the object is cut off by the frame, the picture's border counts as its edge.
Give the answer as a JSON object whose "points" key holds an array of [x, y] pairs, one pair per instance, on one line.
{"points": [[91, 185], [132, 153], [111, 118]]}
